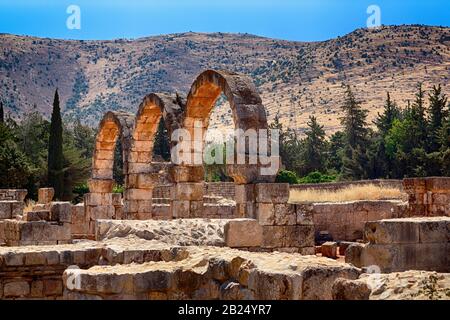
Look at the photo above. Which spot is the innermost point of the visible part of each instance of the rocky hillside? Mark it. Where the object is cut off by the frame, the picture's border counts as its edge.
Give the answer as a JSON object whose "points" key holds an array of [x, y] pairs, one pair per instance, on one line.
{"points": [[296, 79]]}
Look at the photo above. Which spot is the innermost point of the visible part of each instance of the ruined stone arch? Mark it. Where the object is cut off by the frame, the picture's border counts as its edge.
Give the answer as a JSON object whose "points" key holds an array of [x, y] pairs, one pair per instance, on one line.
{"points": [[246, 105], [143, 173], [114, 125]]}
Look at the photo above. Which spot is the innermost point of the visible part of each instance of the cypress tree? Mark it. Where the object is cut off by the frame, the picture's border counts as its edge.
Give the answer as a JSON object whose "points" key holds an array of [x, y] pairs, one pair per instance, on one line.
{"points": [[436, 117], [2, 114], [161, 146], [55, 150]]}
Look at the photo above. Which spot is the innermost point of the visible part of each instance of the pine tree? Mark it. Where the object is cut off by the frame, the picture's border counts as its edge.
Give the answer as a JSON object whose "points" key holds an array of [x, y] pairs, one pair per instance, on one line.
{"points": [[354, 120], [2, 115], [390, 113], [315, 147], [436, 117], [55, 150], [355, 162], [161, 146], [418, 119]]}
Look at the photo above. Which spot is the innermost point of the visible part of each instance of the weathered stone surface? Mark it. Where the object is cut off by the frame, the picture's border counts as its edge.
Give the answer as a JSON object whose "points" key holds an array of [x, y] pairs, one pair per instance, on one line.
{"points": [[45, 195], [329, 250], [272, 192], [344, 289], [408, 285], [188, 191], [16, 289], [98, 185], [243, 233]]}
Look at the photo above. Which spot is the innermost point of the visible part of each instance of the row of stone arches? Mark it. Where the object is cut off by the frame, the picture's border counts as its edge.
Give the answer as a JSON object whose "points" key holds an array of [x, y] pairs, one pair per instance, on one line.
{"points": [[137, 132]]}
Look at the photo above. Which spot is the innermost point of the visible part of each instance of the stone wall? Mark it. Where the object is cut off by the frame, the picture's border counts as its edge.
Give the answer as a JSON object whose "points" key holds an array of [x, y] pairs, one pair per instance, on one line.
{"points": [[344, 221], [222, 273], [13, 194], [404, 244], [428, 196]]}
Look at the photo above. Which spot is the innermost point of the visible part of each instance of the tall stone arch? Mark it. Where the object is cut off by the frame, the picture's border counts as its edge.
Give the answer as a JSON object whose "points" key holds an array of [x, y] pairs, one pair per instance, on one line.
{"points": [[114, 126], [248, 113], [100, 202], [143, 173]]}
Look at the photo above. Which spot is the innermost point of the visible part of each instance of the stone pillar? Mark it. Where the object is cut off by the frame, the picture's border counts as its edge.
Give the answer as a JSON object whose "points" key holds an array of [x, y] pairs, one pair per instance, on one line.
{"points": [[283, 228], [98, 202], [245, 200], [187, 191]]}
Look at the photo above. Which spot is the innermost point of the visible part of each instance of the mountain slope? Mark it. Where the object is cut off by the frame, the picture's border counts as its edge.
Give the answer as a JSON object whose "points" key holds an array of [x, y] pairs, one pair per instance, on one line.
{"points": [[296, 79]]}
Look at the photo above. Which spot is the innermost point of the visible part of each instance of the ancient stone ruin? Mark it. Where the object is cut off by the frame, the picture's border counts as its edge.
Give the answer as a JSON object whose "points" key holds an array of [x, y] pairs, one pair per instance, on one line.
{"points": [[171, 235]]}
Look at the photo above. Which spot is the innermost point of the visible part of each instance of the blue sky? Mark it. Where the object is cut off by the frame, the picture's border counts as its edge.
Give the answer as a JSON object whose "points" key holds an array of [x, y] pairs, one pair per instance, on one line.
{"points": [[303, 20]]}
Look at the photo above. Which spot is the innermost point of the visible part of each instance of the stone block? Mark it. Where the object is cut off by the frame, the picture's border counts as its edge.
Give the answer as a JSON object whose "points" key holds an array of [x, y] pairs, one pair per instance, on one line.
{"points": [[299, 236], [138, 194], [196, 209], [5, 209], [180, 209], [188, 191], [329, 249], [265, 213], [187, 173], [244, 193], [45, 195], [285, 214], [392, 231], [272, 192], [273, 236], [98, 199], [144, 206], [37, 215], [435, 230], [116, 199], [100, 185], [243, 233], [35, 258], [61, 211], [16, 289], [102, 212]]}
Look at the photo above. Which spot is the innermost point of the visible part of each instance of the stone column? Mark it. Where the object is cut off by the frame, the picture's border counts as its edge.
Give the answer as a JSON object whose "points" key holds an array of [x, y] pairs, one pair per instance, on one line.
{"points": [[187, 191], [98, 202], [284, 229], [245, 200]]}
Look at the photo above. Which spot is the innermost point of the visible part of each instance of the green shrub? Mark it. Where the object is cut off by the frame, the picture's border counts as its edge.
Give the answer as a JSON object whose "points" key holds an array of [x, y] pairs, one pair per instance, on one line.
{"points": [[317, 177], [286, 176], [79, 191], [118, 188]]}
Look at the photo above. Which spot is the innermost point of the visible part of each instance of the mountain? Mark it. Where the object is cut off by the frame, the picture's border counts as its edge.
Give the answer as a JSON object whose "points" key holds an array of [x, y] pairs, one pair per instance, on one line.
{"points": [[295, 79]]}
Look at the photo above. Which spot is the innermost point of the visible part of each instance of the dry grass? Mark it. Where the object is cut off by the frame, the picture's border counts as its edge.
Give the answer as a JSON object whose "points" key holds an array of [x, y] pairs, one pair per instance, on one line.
{"points": [[29, 204], [364, 192]]}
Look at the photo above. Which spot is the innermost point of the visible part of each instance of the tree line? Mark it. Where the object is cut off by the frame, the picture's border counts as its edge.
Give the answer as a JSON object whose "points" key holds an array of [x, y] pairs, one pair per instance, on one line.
{"points": [[412, 141], [404, 142], [36, 153]]}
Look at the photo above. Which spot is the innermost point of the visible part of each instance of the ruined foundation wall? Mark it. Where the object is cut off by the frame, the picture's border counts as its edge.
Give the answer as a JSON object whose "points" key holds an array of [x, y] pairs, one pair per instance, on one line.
{"points": [[345, 221], [428, 196], [421, 243]]}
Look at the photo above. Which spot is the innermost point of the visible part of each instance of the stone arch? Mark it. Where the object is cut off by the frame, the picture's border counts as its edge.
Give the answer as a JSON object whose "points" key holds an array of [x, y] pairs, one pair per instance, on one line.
{"points": [[143, 173], [246, 106], [114, 125]]}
